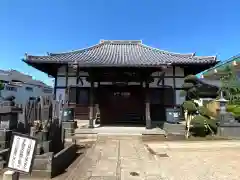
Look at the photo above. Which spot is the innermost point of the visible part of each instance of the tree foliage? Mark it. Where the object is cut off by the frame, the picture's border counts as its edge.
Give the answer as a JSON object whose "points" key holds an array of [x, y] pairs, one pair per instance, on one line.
{"points": [[1, 86], [230, 85], [189, 86]]}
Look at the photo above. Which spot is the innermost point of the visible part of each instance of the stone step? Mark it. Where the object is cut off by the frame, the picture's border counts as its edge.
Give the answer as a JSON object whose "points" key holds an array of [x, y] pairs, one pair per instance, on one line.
{"points": [[168, 137], [174, 128], [84, 137]]}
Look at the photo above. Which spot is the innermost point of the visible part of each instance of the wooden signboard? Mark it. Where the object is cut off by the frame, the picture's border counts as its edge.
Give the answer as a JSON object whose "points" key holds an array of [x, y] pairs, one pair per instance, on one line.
{"points": [[22, 152]]}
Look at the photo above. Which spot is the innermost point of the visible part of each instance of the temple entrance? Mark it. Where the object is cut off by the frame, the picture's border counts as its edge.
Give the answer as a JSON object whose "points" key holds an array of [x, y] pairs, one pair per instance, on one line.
{"points": [[121, 105]]}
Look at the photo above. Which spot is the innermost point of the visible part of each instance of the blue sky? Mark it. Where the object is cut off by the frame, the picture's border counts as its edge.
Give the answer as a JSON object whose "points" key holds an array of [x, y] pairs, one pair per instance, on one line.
{"points": [[207, 27]]}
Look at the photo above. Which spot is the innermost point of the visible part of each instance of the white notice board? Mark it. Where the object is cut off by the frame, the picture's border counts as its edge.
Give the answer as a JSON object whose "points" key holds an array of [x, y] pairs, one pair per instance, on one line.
{"points": [[22, 153]]}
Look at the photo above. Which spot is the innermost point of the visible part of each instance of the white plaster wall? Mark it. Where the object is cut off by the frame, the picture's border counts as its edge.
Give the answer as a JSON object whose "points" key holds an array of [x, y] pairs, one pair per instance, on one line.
{"points": [[168, 81], [179, 71], [61, 81], [179, 82], [179, 99], [72, 81], [168, 71]]}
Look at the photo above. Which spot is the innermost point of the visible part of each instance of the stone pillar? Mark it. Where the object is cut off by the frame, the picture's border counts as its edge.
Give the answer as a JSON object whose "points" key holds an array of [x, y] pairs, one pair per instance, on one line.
{"points": [[11, 175], [91, 108], [147, 107]]}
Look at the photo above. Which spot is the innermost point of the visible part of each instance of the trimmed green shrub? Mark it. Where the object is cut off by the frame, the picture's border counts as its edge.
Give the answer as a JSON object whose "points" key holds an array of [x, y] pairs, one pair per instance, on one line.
{"points": [[183, 93], [200, 127], [230, 107], [190, 106], [193, 93], [187, 86], [204, 111], [191, 79]]}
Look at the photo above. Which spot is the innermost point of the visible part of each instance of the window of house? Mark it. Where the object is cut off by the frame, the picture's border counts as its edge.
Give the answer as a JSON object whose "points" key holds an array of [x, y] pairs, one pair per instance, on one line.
{"points": [[11, 88], [29, 89]]}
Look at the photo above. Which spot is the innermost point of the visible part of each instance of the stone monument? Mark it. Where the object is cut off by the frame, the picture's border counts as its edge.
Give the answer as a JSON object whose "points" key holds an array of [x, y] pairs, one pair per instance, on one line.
{"points": [[8, 121]]}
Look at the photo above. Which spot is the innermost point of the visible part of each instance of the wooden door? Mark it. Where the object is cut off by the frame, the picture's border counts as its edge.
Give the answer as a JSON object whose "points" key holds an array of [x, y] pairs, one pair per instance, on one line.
{"points": [[122, 105]]}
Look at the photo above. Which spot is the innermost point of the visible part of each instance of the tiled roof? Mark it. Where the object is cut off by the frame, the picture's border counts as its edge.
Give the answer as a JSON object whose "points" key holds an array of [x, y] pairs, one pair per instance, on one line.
{"points": [[220, 66], [121, 53]]}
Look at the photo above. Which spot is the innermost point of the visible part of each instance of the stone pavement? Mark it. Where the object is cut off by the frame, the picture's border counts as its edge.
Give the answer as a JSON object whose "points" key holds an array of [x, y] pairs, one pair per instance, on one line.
{"points": [[127, 158]]}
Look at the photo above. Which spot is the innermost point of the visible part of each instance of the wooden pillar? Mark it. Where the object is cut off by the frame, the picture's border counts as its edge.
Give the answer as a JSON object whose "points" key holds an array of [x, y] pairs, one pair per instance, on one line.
{"points": [[174, 85], [91, 108], [147, 107], [55, 87], [97, 116]]}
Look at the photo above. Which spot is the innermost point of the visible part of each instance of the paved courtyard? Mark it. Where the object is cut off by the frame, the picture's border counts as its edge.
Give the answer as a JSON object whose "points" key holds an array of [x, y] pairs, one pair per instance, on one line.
{"points": [[127, 158]]}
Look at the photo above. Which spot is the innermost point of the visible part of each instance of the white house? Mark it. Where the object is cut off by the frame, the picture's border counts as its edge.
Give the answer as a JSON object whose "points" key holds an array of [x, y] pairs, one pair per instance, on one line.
{"points": [[22, 86]]}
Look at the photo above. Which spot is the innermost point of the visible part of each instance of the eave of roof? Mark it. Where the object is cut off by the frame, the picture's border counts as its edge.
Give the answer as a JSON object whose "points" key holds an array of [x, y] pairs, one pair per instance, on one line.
{"points": [[121, 53], [221, 65]]}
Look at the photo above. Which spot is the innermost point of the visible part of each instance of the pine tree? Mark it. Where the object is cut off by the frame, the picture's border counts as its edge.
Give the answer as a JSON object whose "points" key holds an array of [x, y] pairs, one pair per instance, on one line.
{"points": [[230, 85]]}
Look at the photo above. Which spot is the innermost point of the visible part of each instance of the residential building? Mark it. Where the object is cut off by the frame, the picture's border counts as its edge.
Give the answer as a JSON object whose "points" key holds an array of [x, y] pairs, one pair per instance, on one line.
{"points": [[22, 86]]}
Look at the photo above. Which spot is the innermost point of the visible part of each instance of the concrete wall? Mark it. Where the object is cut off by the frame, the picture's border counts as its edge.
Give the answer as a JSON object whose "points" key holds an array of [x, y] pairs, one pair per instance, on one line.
{"points": [[229, 130], [49, 165]]}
